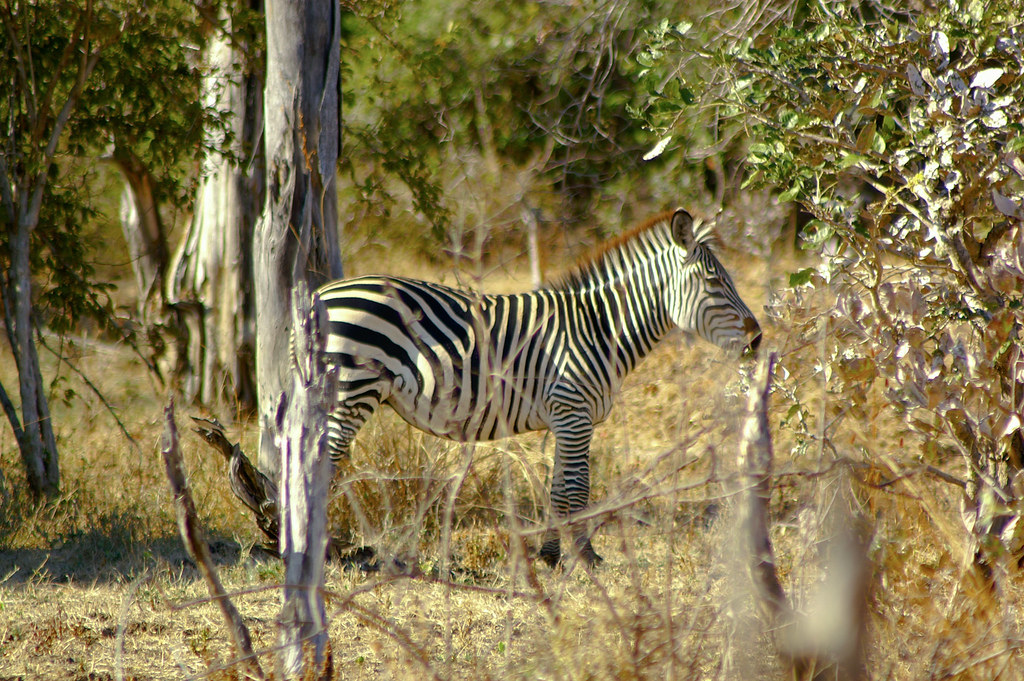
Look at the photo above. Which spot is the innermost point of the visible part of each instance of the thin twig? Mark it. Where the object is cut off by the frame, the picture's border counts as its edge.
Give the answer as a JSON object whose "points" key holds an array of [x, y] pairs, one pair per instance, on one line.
{"points": [[96, 391]]}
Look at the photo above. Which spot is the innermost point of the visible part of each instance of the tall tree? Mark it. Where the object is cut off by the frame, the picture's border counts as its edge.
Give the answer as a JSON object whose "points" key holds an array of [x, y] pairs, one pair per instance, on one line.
{"points": [[296, 237], [84, 80], [210, 280], [45, 72], [157, 126]]}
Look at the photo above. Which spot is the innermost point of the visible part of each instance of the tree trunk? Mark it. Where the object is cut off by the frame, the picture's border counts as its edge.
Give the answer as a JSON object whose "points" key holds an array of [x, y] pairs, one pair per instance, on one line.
{"points": [[35, 431], [809, 646], [755, 465], [211, 286], [33, 138], [145, 234], [305, 476], [529, 216], [296, 237]]}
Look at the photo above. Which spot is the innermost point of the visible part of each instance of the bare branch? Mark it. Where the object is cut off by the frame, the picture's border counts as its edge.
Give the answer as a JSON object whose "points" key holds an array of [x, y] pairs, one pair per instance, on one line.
{"points": [[199, 550], [809, 646], [755, 474], [249, 484]]}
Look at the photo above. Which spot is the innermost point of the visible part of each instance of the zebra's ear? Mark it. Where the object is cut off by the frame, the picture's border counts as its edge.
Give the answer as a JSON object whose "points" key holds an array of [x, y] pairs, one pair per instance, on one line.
{"points": [[682, 229]]}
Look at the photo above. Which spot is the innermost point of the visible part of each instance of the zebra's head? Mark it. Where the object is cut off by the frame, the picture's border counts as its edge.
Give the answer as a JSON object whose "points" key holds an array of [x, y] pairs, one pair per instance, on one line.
{"points": [[702, 298]]}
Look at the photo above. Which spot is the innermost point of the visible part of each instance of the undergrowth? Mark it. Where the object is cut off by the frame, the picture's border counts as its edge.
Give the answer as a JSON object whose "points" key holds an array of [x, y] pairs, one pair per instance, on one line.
{"points": [[96, 584]]}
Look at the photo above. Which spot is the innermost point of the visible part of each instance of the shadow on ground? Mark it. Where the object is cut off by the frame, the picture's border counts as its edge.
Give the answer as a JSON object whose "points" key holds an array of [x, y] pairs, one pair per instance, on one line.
{"points": [[94, 556]]}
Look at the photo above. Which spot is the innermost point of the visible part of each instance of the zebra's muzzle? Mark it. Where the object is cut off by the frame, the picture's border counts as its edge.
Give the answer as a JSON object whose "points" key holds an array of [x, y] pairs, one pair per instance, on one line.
{"points": [[753, 330], [751, 349]]}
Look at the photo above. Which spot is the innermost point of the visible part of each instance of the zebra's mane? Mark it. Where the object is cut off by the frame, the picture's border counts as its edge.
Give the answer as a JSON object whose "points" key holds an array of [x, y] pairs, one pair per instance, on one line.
{"points": [[590, 267]]}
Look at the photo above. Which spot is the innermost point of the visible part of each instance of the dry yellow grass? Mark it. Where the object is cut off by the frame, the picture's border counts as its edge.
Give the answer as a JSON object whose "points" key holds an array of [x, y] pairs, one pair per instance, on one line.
{"points": [[97, 585]]}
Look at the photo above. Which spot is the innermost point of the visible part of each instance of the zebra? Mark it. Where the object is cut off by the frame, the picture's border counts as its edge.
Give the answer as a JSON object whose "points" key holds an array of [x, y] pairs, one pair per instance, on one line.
{"points": [[474, 367]]}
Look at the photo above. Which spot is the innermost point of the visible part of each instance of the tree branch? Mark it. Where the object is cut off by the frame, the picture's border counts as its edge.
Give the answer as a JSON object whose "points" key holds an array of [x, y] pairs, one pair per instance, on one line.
{"points": [[195, 542], [12, 417]]}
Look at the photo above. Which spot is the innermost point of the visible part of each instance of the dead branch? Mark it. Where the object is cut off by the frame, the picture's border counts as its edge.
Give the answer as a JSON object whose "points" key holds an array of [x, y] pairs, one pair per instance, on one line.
{"points": [[301, 437], [250, 485], [807, 646], [755, 473], [199, 550], [260, 495]]}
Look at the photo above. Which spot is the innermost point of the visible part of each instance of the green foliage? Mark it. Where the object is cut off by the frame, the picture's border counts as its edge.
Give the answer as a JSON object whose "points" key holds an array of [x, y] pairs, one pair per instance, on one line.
{"points": [[439, 92], [62, 253], [918, 110], [141, 101], [900, 134], [85, 82]]}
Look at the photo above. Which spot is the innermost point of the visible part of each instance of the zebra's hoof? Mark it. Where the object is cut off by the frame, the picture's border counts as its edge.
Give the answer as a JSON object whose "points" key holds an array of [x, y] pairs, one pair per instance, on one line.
{"points": [[591, 556], [551, 554]]}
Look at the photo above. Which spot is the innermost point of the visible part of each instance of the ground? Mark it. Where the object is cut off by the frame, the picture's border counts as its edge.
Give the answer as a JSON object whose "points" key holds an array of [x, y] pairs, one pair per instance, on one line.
{"points": [[98, 586]]}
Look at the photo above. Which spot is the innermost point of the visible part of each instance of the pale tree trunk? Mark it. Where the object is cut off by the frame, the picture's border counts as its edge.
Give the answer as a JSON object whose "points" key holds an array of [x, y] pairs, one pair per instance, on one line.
{"points": [[211, 278], [529, 216], [296, 237], [144, 233], [825, 644], [527, 180], [305, 477], [23, 183]]}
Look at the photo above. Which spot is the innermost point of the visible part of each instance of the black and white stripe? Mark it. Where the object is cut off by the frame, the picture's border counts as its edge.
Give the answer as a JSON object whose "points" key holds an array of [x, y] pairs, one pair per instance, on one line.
{"points": [[478, 367]]}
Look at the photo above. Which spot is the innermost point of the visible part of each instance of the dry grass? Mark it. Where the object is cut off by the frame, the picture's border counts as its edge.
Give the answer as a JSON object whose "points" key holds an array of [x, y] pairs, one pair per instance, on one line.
{"points": [[97, 586]]}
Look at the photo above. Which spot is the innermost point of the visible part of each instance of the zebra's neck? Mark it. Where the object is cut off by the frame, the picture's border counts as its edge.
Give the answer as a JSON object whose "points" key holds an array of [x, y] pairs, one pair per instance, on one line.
{"points": [[620, 296]]}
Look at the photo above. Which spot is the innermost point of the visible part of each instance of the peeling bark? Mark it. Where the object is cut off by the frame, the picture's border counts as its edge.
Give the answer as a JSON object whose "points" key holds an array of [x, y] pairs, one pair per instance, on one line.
{"points": [[296, 237], [301, 435], [210, 285]]}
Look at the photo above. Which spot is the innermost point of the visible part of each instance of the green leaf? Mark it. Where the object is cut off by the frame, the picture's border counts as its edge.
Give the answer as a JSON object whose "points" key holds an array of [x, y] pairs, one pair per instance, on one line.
{"points": [[755, 180], [866, 137], [801, 277], [658, 148], [851, 159], [792, 192], [760, 149], [815, 233], [878, 144]]}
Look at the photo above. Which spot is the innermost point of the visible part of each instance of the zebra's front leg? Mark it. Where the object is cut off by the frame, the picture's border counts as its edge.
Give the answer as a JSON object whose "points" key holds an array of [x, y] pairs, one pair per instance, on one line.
{"points": [[570, 490]]}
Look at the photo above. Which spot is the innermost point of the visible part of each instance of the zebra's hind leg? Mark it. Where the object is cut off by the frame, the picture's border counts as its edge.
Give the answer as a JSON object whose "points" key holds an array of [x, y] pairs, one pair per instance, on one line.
{"points": [[345, 421], [551, 549]]}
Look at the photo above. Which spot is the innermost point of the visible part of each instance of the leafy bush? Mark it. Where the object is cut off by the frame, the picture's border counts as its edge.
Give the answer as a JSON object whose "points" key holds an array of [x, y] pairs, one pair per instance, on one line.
{"points": [[900, 134]]}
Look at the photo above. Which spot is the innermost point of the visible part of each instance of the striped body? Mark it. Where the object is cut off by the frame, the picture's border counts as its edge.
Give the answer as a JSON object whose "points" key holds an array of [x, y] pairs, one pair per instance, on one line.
{"points": [[475, 367]]}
